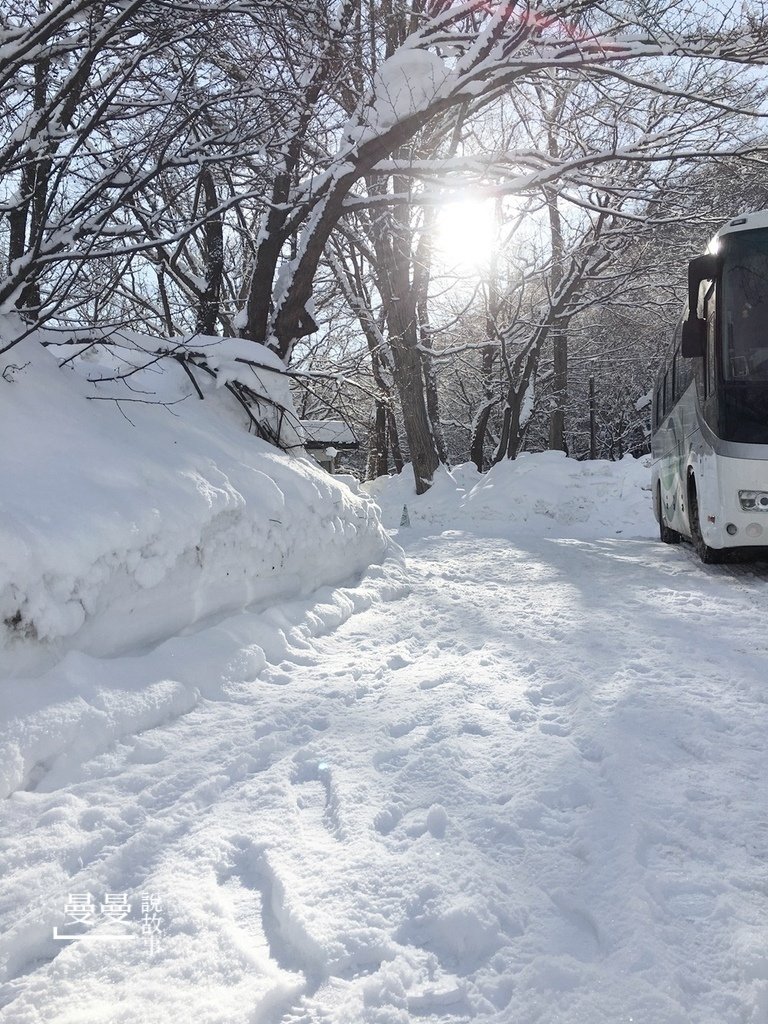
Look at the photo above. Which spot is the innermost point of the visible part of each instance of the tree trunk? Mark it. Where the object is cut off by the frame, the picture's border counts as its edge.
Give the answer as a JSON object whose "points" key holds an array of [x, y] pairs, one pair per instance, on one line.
{"points": [[522, 374], [490, 351], [213, 250], [378, 461], [431, 394], [394, 440], [483, 414], [559, 334], [408, 378], [557, 440], [393, 245], [480, 429], [421, 277]]}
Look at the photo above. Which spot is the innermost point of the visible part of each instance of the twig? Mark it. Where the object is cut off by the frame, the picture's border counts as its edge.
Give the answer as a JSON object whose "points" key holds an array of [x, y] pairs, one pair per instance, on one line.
{"points": [[185, 366], [141, 401], [12, 368], [233, 390]]}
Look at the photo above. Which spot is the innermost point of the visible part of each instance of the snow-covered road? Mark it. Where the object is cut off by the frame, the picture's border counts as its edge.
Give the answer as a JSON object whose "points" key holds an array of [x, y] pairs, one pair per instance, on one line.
{"points": [[532, 789]]}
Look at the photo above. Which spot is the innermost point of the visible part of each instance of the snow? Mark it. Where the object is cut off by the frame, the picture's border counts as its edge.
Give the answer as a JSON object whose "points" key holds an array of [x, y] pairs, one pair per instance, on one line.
{"points": [[117, 533], [524, 784], [128, 521], [406, 83], [545, 493], [526, 409], [319, 433]]}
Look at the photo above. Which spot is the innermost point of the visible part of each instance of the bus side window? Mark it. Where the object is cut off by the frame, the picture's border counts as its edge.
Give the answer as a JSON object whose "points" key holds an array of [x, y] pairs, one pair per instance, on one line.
{"points": [[684, 375], [675, 392], [667, 397], [657, 417]]}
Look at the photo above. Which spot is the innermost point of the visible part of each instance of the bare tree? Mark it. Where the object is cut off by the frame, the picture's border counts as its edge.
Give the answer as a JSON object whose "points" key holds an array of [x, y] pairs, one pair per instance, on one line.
{"points": [[215, 161]]}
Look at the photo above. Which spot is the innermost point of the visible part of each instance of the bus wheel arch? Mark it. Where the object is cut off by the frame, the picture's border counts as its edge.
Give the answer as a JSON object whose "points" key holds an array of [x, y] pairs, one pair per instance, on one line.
{"points": [[708, 555]]}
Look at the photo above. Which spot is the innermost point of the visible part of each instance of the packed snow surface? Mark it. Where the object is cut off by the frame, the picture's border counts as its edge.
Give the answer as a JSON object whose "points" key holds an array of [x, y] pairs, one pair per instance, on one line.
{"points": [[525, 786]]}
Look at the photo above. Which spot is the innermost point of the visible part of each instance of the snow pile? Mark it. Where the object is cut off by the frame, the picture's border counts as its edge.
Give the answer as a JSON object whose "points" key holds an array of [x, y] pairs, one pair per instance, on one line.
{"points": [[235, 360], [406, 83], [545, 492], [551, 492], [131, 509]]}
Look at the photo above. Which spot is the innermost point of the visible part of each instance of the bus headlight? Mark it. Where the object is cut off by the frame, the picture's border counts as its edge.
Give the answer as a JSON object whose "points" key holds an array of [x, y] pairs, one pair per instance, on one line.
{"points": [[754, 501]]}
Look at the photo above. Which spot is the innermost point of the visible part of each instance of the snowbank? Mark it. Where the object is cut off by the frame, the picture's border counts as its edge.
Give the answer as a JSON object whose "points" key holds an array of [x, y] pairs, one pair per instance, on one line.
{"points": [[132, 509], [543, 492]]}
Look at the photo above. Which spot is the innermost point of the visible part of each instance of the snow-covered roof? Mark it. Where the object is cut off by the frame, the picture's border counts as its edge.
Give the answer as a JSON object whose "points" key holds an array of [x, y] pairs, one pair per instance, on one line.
{"points": [[744, 222], [322, 433]]}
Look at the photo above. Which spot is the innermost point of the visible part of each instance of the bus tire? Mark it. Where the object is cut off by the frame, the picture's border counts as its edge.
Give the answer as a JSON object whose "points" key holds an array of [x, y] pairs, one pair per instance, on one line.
{"points": [[708, 555], [666, 533]]}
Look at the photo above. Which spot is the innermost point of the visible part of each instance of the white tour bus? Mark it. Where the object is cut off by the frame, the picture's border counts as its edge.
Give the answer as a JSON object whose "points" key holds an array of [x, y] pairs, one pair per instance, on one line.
{"points": [[710, 409]]}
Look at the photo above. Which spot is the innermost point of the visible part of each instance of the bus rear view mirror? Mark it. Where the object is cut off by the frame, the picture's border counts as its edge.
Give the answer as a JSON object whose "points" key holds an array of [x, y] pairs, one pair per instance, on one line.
{"points": [[694, 338], [703, 268]]}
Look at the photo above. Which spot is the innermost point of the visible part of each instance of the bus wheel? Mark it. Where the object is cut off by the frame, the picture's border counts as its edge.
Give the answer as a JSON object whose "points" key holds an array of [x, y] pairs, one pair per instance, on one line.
{"points": [[667, 535], [708, 555]]}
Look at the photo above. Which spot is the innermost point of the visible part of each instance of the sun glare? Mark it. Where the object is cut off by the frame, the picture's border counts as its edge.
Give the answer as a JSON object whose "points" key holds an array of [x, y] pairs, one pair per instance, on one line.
{"points": [[466, 235]]}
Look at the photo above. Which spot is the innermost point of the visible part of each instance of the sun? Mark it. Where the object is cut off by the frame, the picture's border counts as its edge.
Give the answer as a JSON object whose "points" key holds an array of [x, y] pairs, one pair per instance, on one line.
{"points": [[465, 235]]}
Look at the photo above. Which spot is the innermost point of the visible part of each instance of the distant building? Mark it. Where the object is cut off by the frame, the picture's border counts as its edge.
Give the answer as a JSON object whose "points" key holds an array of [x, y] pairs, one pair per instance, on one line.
{"points": [[324, 439]]}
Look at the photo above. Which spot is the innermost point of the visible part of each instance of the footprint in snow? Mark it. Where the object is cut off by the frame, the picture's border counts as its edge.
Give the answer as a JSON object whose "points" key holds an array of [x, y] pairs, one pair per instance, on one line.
{"points": [[590, 750], [398, 729], [317, 797], [571, 796], [144, 752], [397, 661], [521, 717], [471, 728], [430, 684], [555, 694], [554, 728], [579, 931], [256, 899]]}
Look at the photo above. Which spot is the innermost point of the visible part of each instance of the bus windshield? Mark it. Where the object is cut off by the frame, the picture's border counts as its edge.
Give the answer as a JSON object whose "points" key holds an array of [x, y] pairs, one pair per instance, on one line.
{"points": [[745, 306]]}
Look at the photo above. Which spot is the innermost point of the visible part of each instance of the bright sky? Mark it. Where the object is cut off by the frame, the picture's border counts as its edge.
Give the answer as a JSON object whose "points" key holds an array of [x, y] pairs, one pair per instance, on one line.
{"points": [[466, 235]]}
